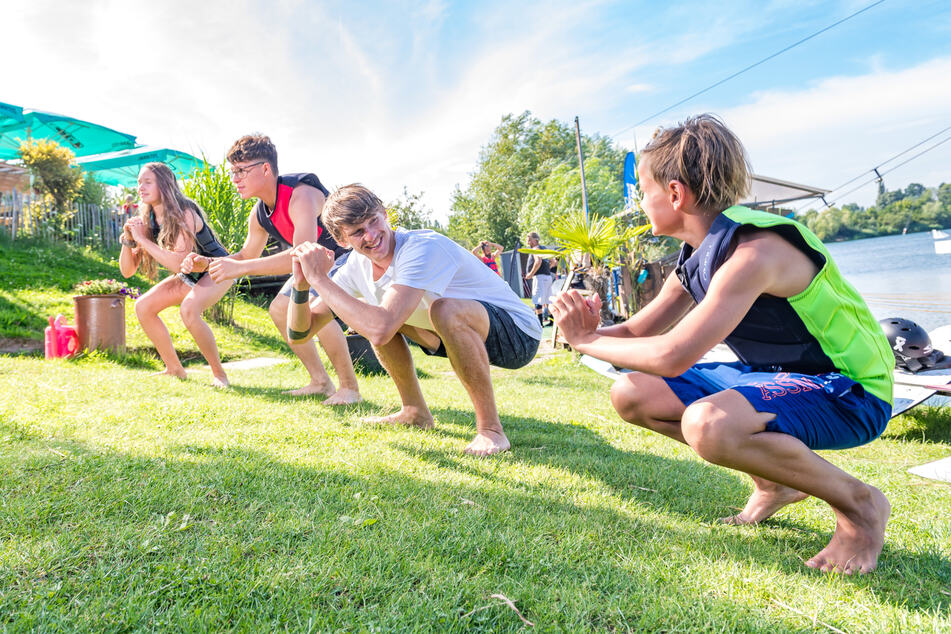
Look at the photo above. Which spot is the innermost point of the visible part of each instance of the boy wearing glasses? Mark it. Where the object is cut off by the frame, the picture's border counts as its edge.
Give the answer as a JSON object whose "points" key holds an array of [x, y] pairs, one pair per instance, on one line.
{"points": [[288, 210]]}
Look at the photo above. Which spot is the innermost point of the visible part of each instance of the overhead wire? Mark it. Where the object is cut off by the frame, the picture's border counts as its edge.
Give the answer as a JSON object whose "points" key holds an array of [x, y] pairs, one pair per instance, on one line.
{"points": [[879, 175], [750, 67]]}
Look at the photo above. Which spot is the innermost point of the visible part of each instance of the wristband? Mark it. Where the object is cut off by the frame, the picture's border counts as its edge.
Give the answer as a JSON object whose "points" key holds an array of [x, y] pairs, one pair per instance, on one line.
{"points": [[297, 335], [300, 297], [128, 243]]}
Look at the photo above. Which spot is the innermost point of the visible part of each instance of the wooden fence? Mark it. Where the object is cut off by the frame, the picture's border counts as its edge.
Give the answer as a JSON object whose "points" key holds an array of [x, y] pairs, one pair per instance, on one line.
{"points": [[30, 216]]}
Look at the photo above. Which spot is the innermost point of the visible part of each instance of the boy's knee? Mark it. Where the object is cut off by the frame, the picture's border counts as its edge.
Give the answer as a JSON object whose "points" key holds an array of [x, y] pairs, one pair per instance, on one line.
{"points": [[627, 400], [706, 429], [278, 309], [447, 313]]}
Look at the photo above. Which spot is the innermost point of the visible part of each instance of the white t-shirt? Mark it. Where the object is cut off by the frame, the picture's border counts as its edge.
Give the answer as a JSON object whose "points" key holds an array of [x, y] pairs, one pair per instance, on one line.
{"points": [[433, 263]]}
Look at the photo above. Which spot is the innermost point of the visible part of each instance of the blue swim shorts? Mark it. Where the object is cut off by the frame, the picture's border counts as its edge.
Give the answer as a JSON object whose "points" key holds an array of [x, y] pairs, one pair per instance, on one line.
{"points": [[824, 411]]}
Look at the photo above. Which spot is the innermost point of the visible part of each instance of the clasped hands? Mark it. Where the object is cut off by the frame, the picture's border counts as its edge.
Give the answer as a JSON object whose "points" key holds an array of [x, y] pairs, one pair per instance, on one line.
{"points": [[310, 262], [576, 317], [220, 269]]}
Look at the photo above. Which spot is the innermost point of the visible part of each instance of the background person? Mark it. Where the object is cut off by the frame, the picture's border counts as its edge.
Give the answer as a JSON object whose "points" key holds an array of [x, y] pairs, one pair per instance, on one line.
{"points": [[489, 253], [815, 369], [288, 210], [539, 272], [421, 285], [168, 228]]}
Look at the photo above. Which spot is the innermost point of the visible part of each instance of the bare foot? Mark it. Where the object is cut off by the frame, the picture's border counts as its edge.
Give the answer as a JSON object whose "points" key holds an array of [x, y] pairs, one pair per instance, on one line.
{"points": [[344, 396], [220, 381], [324, 389], [858, 538], [487, 443], [768, 497], [167, 372], [406, 416]]}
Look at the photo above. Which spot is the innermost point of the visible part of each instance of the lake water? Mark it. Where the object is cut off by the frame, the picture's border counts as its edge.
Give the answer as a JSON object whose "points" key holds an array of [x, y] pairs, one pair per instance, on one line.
{"points": [[899, 276]]}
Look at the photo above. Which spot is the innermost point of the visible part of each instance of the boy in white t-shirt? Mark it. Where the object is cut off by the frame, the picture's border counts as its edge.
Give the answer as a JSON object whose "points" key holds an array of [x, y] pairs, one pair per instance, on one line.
{"points": [[421, 285]]}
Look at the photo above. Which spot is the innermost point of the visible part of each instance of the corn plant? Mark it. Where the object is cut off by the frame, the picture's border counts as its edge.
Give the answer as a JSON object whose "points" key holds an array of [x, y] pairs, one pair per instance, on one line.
{"points": [[210, 186]]}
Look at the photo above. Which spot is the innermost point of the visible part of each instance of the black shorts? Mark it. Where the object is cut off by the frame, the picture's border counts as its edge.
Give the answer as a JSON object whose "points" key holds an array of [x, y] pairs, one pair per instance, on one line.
{"points": [[507, 345]]}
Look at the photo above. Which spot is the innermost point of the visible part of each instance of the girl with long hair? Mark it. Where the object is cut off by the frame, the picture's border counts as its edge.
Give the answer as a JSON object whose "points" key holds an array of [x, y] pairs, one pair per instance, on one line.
{"points": [[169, 227]]}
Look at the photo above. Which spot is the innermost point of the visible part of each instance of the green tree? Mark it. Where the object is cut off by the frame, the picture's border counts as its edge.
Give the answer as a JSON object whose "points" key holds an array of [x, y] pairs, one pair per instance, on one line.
{"points": [[522, 151], [53, 171], [560, 191], [93, 192], [410, 212]]}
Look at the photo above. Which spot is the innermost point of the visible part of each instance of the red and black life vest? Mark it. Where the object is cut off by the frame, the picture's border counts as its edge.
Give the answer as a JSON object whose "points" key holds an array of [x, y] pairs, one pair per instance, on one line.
{"points": [[277, 222], [490, 262]]}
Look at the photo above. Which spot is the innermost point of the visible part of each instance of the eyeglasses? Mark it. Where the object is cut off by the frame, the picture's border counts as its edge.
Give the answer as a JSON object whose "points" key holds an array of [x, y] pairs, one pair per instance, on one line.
{"points": [[241, 172]]}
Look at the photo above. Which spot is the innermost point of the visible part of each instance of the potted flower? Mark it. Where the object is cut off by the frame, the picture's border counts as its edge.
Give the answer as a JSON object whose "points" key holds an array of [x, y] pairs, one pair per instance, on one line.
{"points": [[100, 313]]}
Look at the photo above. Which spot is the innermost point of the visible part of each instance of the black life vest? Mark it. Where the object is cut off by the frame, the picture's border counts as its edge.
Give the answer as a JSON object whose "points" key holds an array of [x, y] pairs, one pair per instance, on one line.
{"points": [[277, 222], [771, 336], [205, 241], [544, 268]]}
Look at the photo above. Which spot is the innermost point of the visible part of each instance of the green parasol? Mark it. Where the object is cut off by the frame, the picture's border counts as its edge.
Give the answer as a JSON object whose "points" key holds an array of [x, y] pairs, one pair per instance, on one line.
{"points": [[82, 137], [122, 167]]}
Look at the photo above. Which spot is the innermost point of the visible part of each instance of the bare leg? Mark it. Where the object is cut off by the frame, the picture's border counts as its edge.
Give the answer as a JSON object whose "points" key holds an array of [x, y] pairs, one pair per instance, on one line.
{"points": [[647, 400], [395, 357], [463, 326], [169, 292], [320, 382], [726, 430], [768, 497], [334, 343], [199, 299]]}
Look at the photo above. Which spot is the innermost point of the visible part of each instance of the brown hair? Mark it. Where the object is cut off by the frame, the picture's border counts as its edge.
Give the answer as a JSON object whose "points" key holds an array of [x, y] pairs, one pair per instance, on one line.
{"points": [[703, 154], [174, 206], [254, 147], [349, 205]]}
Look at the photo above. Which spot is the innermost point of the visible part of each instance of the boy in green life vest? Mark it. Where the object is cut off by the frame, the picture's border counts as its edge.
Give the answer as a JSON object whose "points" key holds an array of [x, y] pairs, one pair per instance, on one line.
{"points": [[814, 370]]}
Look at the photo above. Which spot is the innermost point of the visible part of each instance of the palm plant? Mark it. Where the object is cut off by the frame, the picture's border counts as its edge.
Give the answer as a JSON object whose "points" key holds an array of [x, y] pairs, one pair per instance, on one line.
{"points": [[600, 240]]}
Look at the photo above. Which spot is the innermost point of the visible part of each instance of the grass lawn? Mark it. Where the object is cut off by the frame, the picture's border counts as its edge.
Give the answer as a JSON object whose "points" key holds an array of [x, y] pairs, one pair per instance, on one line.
{"points": [[134, 502]]}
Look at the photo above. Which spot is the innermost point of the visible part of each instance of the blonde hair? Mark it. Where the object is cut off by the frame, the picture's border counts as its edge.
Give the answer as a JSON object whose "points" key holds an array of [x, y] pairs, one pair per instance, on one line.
{"points": [[174, 225], [703, 154], [349, 205]]}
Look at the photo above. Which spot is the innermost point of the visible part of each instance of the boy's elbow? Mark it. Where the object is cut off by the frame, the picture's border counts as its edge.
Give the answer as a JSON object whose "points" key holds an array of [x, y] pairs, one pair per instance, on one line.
{"points": [[673, 361], [379, 337]]}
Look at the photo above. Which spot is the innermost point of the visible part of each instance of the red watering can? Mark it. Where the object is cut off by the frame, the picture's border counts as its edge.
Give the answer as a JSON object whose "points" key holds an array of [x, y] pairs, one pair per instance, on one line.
{"points": [[62, 340]]}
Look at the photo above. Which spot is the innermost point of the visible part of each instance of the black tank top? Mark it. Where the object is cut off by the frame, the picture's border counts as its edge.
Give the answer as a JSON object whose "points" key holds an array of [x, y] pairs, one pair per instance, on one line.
{"points": [[205, 241]]}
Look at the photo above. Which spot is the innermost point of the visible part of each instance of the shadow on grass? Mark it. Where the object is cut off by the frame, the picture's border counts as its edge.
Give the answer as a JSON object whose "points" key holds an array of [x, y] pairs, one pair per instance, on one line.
{"points": [[693, 489], [269, 340], [166, 536]]}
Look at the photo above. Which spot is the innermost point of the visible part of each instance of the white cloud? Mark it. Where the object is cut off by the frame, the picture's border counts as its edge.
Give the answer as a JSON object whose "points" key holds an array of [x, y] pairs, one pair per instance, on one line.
{"points": [[840, 127], [381, 95]]}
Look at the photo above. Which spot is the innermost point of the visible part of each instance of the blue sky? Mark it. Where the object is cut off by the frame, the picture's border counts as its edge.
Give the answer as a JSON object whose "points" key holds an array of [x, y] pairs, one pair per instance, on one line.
{"points": [[396, 94]]}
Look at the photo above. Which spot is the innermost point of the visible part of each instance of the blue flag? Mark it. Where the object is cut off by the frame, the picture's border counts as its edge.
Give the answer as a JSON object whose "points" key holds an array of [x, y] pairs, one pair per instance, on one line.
{"points": [[630, 180]]}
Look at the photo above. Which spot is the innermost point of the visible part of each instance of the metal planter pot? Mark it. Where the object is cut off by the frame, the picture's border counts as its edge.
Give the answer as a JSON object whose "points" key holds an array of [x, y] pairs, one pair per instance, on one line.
{"points": [[100, 322]]}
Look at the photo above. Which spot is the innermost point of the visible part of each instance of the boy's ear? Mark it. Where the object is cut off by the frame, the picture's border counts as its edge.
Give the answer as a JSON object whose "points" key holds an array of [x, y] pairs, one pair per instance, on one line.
{"points": [[677, 193]]}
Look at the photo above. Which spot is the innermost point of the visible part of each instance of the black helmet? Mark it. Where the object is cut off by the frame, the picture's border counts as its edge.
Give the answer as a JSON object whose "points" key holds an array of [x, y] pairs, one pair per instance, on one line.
{"points": [[909, 341]]}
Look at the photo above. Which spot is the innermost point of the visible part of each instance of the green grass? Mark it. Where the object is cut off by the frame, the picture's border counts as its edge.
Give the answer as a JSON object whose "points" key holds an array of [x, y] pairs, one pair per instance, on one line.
{"points": [[131, 502]]}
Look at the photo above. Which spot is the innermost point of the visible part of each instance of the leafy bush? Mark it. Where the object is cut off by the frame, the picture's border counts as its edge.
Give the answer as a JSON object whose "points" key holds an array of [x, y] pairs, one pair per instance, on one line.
{"points": [[227, 212]]}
